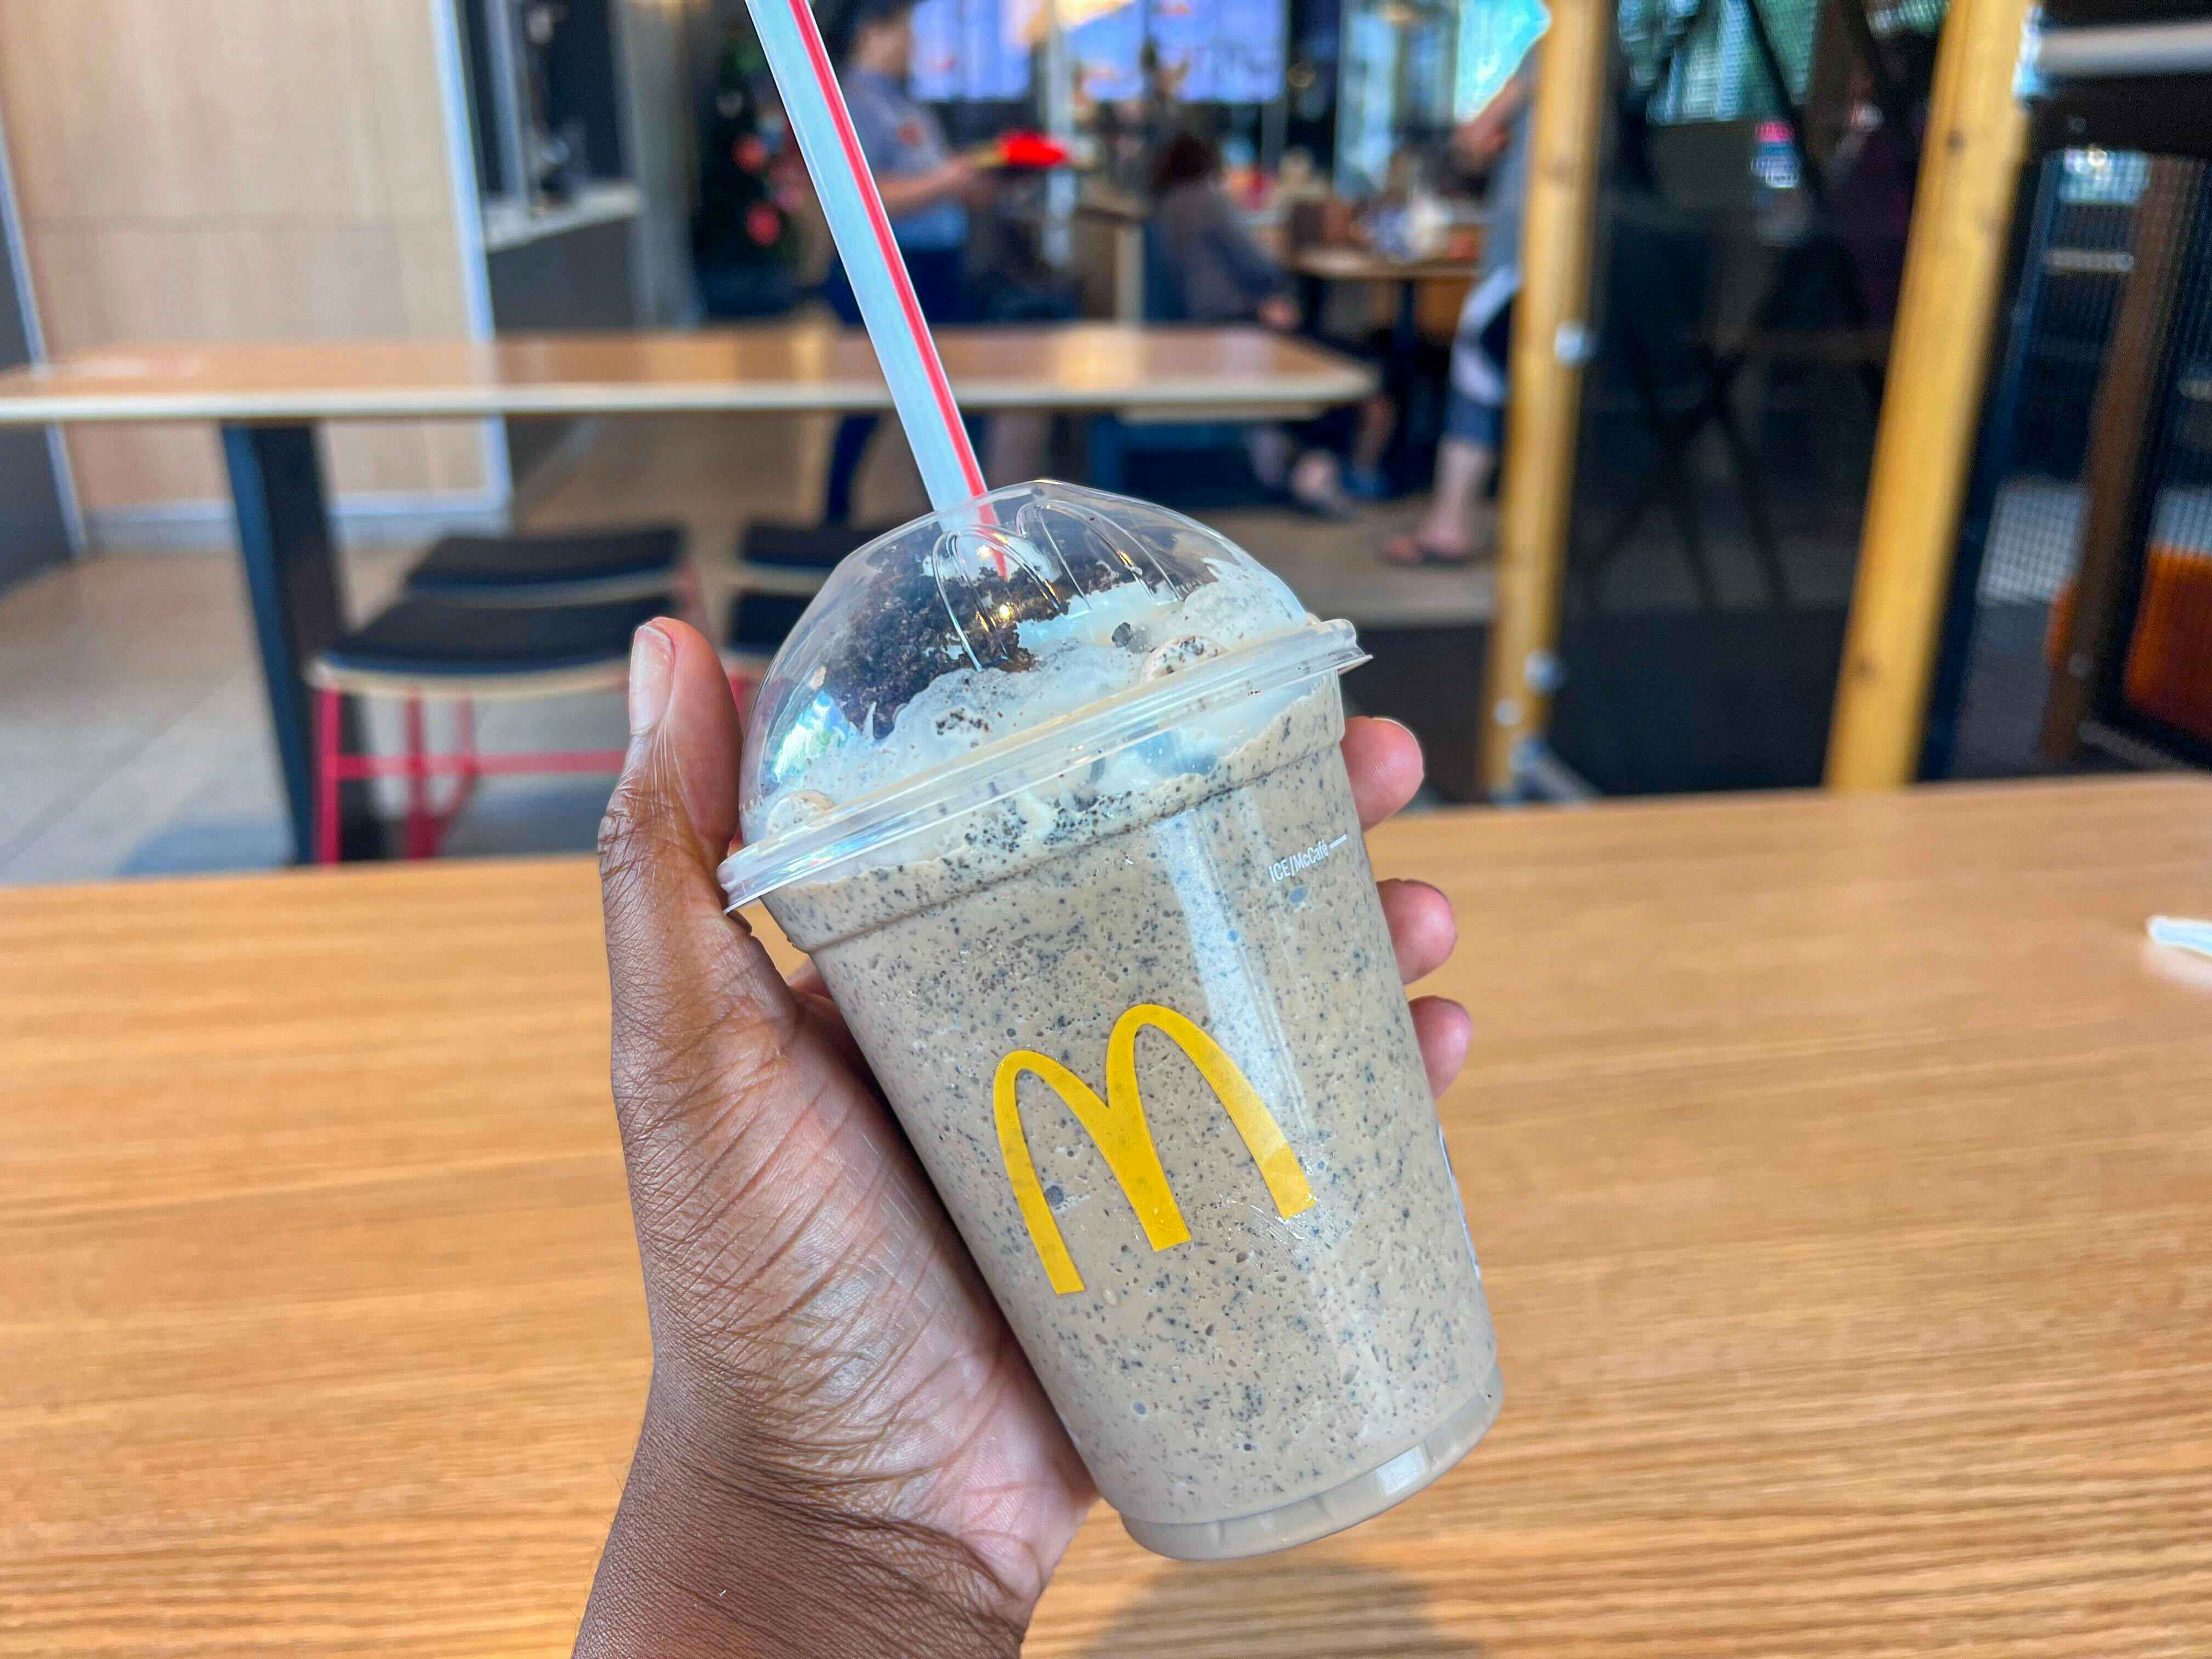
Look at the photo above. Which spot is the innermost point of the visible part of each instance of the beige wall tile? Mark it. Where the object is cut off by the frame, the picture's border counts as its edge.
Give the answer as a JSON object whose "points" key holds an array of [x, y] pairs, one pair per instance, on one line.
{"points": [[236, 169], [377, 458], [399, 57], [435, 303], [122, 466], [457, 456]]}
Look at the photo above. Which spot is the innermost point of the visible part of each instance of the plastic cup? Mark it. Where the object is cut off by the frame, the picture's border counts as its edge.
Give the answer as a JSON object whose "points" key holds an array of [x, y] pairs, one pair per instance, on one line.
{"points": [[1075, 852]]}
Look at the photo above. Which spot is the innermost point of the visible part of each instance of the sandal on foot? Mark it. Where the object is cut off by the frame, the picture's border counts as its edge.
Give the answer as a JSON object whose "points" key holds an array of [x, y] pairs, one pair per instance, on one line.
{"points": [[1410, 552]]}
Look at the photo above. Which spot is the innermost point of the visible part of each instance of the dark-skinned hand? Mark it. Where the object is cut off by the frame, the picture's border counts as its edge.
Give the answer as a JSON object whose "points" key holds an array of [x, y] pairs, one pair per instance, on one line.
{"points": [[843, 1451]]}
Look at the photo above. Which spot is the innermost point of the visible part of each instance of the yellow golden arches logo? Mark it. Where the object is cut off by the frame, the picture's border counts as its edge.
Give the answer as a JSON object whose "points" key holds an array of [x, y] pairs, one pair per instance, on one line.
{"points": [[1117, 1128]]}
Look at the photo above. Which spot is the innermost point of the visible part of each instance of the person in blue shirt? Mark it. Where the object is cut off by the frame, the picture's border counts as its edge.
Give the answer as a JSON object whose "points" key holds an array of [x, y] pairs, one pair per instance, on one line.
{"points": [[925, 188], [924, 185]]}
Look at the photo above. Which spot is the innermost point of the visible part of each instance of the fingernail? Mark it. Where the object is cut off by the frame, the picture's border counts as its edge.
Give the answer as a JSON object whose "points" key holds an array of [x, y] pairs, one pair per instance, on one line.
{"points": [[652, 656]]}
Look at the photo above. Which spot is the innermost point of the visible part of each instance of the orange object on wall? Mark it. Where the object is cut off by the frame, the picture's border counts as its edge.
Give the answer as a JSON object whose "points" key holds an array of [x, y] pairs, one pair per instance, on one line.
{"points": [[2169, 673]]}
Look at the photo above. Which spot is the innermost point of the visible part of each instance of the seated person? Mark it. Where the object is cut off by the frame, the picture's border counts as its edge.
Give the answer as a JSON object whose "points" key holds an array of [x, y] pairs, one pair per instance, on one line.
{"points": [[1223, 275]]}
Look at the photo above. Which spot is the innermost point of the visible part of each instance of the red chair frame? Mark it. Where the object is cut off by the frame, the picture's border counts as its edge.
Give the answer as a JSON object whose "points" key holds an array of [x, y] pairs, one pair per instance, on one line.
{"points": [[426, 822]]}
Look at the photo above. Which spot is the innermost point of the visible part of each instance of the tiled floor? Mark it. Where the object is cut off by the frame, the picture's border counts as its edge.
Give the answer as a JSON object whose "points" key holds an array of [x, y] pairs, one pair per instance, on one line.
{"points": [[133, 736]]}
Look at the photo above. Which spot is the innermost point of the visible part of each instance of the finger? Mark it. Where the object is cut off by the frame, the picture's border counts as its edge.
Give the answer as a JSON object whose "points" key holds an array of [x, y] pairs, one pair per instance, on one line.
{"points": [[1444, 1029], [1384, 761], [679, 967], [1422, 927], [701, 736]]}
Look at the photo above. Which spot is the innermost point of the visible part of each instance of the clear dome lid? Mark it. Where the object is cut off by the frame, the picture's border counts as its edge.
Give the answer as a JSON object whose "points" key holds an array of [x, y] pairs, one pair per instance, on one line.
{"points": [[975, 652]]}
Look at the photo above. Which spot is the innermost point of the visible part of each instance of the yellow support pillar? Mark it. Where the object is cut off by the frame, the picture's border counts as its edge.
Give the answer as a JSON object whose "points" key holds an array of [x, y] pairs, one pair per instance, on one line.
{"points": [[1947, 314], [1551, 338]]}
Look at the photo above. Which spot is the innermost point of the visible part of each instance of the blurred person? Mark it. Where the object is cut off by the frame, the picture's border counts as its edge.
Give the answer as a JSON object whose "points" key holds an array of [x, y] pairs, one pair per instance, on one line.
{"points": [[833, 1460], [1222, 274], [1162, 111], [927, 190], [1460, 527], [1007, 267]]}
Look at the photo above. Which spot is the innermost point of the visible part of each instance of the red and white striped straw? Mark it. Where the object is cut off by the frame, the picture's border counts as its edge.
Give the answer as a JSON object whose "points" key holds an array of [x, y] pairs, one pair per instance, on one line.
{"points": [[823, 126]]}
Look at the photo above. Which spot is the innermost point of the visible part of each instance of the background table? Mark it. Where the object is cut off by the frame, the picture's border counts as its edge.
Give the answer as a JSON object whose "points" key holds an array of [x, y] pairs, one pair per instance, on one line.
{"points": [[1842, 1169], [1335, 263], [268, 398], [1429, 293]]}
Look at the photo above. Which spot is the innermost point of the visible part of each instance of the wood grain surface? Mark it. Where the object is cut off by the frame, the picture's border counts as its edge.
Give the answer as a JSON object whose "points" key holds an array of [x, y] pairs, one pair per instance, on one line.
{"points": [[1842, 1170], [1336, 264], [774, 367]]}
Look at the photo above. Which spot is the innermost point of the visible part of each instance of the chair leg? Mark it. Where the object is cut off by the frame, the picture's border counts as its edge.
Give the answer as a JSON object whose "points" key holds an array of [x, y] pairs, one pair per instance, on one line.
{"points": [[469, 771], [464, 724], [329, 735], [418, 784]]}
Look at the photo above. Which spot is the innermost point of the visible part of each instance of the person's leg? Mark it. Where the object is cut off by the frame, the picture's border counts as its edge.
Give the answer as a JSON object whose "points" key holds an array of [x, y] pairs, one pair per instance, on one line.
{"points": [[850, 445], [847, 451], [1371, 442], [1457, 526], [1460, 523], [1317, 484], [1269, 447], [1285, 458], [1301, 460]]}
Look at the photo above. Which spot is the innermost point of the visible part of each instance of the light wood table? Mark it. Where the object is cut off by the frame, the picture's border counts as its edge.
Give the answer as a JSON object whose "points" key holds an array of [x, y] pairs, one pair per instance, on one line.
{"points": [[770, 367], [1430, 293], [1327, 263], [268, 398], [1334, 263], [1842, 1170]]}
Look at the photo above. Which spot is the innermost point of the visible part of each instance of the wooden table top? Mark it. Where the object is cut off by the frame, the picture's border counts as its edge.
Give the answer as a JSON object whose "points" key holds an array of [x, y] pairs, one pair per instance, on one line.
{"points": [[1359, 265], [776, 367], [1842, 1170]]}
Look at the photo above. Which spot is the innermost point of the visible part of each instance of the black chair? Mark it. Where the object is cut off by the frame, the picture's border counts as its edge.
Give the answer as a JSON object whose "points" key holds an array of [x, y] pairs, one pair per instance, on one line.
{"points": [[814, 549], [759, 624], [421, 650], [568, 567], [781, 568]]}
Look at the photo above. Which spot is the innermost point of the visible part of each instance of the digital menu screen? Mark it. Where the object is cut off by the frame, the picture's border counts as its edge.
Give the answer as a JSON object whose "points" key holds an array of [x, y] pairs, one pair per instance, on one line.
{"points": [[1210, 52], [968, 49], [1105, 54], [1224, 52]]}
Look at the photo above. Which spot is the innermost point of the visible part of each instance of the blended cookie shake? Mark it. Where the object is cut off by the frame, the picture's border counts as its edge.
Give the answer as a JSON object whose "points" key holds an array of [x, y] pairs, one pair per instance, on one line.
{"points": [[1053, 795]]}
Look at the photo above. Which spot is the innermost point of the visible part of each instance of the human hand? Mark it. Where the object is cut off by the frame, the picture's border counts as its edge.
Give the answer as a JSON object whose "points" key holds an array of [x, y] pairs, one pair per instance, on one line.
{"points": [[1279, 313], [1478, 143], [843, 1450], [1485, 135], [963, 178]]}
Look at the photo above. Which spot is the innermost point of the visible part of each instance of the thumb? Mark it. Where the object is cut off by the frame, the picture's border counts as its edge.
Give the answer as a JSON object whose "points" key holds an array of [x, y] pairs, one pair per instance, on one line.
{"points": [[683, 974]]}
